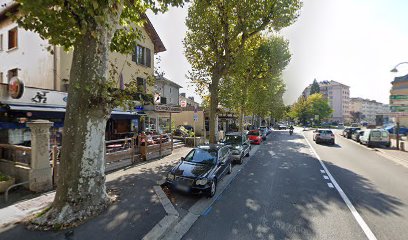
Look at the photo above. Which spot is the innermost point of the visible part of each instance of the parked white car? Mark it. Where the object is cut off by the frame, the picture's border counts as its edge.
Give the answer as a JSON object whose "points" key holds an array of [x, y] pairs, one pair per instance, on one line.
{"points": [[376, 137]]}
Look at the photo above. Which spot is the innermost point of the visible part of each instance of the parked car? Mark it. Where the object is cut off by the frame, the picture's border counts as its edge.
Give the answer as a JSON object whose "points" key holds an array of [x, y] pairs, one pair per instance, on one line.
{"points": [[201, 170], [357, 134], [265, 129], [323, 135], [255, 137], [348, 132], [376, 137], [263, 134], [402, 130], [238, 144]]}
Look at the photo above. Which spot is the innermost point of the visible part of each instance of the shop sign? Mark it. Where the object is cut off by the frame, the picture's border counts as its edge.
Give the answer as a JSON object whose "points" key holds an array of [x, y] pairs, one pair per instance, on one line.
{"points": [[16, 88], [165, 108], [398, 97], [399, 108]]}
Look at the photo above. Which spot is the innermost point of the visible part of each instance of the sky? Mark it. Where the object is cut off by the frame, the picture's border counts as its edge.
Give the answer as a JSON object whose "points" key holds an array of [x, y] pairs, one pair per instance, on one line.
{"points": [[355, 42]]}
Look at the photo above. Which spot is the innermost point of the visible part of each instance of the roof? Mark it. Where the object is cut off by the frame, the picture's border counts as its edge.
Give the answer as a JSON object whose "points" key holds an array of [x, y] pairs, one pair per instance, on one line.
{"points": [[168, 81], [212, 146], [12, 7], [400, 79]]}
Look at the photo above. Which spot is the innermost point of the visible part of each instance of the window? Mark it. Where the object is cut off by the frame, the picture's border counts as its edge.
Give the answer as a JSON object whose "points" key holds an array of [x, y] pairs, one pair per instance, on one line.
{"points": [[1, 42], [142, 56], [12, 38], [141, 84], [170, 89], [12, 73], [1, 77]]}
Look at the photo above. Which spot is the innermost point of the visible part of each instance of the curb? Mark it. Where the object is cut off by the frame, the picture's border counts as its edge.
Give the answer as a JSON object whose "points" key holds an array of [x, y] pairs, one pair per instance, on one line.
{"points": [[169, 221], [392, 158]]}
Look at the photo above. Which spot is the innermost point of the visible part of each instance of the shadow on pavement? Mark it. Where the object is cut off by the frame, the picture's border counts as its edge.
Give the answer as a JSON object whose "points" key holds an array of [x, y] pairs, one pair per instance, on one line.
{"points": [[136, 212], [280, 193]]}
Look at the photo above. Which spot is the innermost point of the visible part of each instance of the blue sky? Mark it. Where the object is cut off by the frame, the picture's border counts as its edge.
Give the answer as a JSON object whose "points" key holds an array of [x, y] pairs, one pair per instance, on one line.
{"points": [[355, 42]]}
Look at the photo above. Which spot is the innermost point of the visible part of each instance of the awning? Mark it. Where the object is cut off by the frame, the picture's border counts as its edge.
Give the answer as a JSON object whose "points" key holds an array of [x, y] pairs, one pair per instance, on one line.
{"points": [[36, 109]]}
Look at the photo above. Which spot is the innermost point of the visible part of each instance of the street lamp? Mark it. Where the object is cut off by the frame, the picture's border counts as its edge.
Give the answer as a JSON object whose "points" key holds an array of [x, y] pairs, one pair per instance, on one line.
{"points": [[395, 70]]}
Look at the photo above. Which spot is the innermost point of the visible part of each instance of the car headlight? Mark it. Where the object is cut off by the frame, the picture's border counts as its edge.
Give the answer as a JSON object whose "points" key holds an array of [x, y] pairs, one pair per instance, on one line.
{"points": [[237, 147], [170, 176], [202, 181]]}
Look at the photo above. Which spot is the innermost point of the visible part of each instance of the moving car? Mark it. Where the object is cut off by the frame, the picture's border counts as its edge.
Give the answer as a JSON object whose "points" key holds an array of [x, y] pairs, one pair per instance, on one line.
{"points": [[238, 144], [357, 134], [376, 137], [323, 135], [201, 170], [255, 136]]}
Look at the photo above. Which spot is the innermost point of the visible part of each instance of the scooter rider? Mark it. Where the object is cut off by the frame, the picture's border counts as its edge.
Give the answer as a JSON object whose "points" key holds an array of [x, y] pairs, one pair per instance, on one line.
{"points": [[291, 129]]}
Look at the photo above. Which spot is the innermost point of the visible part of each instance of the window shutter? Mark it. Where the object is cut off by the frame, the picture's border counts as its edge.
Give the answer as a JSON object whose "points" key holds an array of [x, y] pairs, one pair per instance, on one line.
{"points": [[148, 58], [134, 55]]}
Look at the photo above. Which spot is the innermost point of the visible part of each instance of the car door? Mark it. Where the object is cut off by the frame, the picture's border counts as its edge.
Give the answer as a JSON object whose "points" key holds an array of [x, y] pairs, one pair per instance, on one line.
{"points": [[245, 145], [221, 164]]}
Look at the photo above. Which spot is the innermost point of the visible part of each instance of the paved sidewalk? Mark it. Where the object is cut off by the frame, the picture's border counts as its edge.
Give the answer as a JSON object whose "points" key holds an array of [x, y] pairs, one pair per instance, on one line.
{"points": [[393, 153], [136, 212]]}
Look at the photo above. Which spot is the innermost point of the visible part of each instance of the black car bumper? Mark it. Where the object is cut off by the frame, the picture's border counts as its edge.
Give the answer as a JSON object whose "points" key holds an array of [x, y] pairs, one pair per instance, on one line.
{"points": [[193, 189]]}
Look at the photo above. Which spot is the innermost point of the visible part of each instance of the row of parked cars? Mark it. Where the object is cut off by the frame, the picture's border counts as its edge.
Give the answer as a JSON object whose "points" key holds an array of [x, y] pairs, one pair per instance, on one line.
{"points": [[203, 167], [368, 137]]}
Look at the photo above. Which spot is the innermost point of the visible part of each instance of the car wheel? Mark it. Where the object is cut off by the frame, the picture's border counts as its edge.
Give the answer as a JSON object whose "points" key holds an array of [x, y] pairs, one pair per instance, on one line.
{"points": [[213, 188], [230, 166], [332, 142], [247, 155]]}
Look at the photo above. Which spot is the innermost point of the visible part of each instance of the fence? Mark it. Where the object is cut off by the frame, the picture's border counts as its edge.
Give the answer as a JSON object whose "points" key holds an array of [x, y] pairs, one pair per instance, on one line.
{"points": [[155, 146]]}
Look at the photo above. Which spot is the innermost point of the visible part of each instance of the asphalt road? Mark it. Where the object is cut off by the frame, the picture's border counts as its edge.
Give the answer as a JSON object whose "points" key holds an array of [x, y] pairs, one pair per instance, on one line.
{"points": [[283, 193]]}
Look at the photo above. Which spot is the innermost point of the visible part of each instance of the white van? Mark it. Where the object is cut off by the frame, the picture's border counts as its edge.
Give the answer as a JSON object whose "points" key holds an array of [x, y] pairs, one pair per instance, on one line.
{"points": [[376, 137]]}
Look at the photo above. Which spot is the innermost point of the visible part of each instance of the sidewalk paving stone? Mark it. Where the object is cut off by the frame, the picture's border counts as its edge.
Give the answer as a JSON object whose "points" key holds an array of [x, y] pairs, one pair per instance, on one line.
{"points": [[137, 210]]}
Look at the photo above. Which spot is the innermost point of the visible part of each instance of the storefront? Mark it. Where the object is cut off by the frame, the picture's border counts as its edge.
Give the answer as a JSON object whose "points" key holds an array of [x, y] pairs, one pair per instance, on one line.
{"points": [[159, 118], [36, 103]]}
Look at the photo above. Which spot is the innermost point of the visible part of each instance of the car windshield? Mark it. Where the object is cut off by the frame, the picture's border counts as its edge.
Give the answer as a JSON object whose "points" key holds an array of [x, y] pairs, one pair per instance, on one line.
{"points": [[233, 139], [202, 156], [253, 133]]}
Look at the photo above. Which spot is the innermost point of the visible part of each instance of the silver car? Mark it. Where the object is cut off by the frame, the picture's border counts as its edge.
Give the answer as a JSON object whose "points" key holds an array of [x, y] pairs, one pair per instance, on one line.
{"points": [[323, 135], [239, 145]]}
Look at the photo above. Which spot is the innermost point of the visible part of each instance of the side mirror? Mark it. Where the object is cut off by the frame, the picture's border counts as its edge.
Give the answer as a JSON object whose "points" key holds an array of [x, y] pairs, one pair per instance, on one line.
{"points": [[182, 159]]}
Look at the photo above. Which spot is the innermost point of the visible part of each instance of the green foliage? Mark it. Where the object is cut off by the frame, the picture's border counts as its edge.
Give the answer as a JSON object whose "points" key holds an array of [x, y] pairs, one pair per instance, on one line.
{"points": [[315, 88], [307, 108], [4, 177]]}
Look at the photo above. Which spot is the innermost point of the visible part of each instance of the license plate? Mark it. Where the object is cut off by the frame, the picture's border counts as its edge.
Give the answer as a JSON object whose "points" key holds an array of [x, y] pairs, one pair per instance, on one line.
{"points": [[182, 188]]}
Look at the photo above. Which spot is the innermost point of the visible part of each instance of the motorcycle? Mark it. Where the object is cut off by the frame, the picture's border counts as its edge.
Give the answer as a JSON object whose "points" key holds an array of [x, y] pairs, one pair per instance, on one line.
{"points": [[290, 131]]}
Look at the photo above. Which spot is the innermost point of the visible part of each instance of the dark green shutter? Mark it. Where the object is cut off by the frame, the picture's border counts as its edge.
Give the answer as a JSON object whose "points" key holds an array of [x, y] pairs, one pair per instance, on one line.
{"points": [[148, 58]]}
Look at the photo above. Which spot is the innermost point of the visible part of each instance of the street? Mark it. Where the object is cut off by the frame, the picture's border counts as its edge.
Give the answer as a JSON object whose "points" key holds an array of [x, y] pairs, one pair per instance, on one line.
{"points": [[283, 193]]}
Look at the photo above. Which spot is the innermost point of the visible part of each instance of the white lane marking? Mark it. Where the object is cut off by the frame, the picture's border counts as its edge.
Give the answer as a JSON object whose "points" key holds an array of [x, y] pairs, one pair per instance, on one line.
{"points": [[272, 153], [330, 185], [322, 171], [325, 177], [370, 235]]}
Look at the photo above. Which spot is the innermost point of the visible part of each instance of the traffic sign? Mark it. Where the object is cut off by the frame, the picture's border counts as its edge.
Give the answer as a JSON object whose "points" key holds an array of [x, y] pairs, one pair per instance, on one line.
{"points": [[183, 103]]}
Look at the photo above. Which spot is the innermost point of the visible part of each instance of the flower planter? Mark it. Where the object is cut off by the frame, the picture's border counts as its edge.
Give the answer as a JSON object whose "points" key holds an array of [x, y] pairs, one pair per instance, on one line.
{"points": [[6, 184]]}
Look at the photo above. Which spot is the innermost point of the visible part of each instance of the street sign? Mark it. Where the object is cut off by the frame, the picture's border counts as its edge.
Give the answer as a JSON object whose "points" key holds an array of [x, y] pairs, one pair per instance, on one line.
{"points": [[183, 103], [397, 97], [195, 117], [195, 109]]}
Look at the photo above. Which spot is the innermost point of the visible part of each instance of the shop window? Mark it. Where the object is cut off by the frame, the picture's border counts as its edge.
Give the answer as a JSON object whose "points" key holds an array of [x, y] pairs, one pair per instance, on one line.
{"points": [[12, 38]]}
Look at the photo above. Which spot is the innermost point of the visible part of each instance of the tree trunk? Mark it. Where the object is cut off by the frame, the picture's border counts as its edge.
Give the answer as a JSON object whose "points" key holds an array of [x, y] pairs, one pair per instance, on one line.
{"points": [[241, 119], [81, 190], [213, 106]]}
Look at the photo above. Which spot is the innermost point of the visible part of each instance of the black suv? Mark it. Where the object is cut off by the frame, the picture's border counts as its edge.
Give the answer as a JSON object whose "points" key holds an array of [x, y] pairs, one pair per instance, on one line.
{"points": [[200, 171]]}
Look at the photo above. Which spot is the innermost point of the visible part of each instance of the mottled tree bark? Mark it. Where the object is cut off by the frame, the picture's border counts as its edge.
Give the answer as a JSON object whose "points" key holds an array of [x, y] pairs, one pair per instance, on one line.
{"points": [[81, 190], [213, 106]]}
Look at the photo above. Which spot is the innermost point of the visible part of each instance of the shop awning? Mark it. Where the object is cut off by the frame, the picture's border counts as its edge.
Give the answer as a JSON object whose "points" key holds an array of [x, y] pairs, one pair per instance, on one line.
{"points": [[35, 108]]}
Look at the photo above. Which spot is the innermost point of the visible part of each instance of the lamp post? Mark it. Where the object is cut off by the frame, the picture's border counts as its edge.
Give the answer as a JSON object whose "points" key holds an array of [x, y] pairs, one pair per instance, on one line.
{"points": [[395, 70]]}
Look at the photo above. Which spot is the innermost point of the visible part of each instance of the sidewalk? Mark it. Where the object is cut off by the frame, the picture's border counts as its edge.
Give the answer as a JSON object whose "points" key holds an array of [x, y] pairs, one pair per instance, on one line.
{"points": [[401, 156], [136, 212]]}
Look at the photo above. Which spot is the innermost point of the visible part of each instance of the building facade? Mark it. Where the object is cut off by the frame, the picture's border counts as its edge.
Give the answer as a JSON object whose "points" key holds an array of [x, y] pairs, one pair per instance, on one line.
{"points": [[23, 54], [338, 96], [369, 109]]}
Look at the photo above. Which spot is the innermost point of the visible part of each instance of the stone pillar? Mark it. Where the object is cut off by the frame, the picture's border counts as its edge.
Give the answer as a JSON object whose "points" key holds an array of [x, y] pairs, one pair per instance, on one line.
{"points": [[40, 176]]}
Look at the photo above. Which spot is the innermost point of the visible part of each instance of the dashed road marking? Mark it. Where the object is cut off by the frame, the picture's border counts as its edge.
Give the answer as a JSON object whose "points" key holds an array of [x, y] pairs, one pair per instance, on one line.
{"points": [[370, 235], [325, 177], [322, 171], [330, 185]]}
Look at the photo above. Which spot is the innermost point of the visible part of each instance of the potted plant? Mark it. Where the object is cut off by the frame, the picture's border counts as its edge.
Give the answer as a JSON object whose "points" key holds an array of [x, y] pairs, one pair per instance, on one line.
{"points": [[5, 182]]}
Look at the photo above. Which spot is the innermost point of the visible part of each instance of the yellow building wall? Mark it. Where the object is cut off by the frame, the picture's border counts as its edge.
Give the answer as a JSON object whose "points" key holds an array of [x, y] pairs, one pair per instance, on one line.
{"points": [[123, 62], [186, 118]]}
